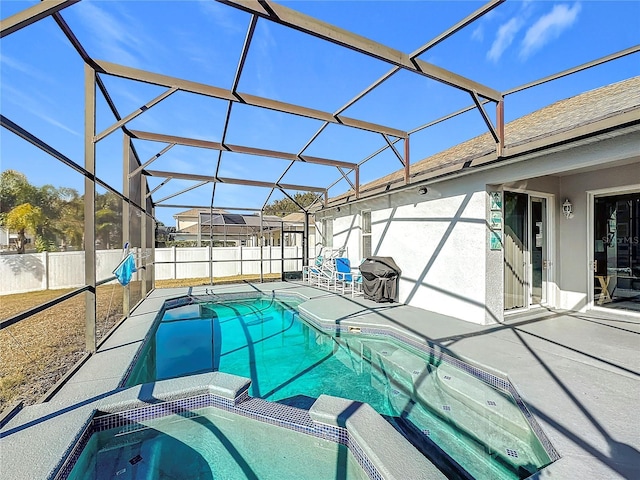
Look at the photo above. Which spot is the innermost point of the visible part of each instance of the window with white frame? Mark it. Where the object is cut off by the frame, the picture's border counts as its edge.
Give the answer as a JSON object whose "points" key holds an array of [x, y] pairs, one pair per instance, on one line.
{"points": [[327, 232], [365, 234]]}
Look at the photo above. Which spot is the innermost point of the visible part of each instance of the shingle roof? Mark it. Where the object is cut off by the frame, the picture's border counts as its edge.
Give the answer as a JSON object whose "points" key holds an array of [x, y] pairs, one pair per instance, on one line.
{"points": [[562, 116], [234, 223], [296, 217], [194, 212]]}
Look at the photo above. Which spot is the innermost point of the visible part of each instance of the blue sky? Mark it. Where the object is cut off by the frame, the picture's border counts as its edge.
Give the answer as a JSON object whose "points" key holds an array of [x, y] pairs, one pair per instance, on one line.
{"points": [[41, 82]]}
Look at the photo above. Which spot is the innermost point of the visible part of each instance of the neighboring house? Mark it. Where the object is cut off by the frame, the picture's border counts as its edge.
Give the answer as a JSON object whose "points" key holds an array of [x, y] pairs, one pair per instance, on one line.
{"points": [[188, 224], [230, 229], [553, 222], [190, 218], [295, 223], [4, 238], [9, 240]]}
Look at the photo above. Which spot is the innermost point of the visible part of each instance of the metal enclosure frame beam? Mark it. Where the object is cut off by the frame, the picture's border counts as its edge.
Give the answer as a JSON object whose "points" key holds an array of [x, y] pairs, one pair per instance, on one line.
{"points": [[130, 73], [317, 28], [126, 213], [90, 209], [424, 48], [233, 181], [260, 152], [135, 113], [236, 80], [31, 15]]}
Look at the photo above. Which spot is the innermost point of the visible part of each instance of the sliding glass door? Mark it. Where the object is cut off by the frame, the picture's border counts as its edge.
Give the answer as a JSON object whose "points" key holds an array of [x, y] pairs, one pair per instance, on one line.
{"points": [[616, 256], [538, 208], [525, 250], [515, 247]]}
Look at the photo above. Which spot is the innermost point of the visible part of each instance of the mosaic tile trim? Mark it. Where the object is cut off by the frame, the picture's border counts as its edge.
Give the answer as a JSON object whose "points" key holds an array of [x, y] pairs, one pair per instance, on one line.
{"points": [[501, 384], [535, 426], [332, 433], [276, 413], [284, 416], [70, 457], [243, 397], [363, 460], [224, 297], [512, 453], [176, 302], [129, 420]]}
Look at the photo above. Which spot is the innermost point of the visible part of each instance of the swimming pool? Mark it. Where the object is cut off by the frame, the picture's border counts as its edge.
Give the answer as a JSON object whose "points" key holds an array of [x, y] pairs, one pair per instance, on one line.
{"points": [[447, 412]]}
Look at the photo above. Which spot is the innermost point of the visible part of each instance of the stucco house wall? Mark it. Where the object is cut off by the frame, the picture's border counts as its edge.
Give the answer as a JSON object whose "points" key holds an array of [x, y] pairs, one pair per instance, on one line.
{"points": [[440, 240], [437, 241]]}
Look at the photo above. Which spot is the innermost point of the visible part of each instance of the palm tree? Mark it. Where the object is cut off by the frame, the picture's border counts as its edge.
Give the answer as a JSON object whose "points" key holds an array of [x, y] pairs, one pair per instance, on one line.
{"points": [[71, 218], [108, 220], [22, 219]]}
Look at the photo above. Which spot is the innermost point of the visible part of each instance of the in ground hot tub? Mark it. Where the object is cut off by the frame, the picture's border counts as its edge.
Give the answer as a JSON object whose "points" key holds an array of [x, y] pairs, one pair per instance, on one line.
{"points": [[222, 432]]}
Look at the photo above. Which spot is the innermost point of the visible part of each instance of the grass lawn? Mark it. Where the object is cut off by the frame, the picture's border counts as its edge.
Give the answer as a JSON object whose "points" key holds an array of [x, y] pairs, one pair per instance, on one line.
{"points": [[39, 350], [36, 352]]}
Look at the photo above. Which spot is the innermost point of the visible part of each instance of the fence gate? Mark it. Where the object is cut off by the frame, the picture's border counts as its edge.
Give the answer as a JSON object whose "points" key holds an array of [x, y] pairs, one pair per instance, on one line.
{"points": [[292, 254]]}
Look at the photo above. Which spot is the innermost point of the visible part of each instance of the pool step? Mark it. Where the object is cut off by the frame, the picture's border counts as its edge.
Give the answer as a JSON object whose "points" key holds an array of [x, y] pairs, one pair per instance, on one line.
{"points": [[493, 404], [460, 400]]}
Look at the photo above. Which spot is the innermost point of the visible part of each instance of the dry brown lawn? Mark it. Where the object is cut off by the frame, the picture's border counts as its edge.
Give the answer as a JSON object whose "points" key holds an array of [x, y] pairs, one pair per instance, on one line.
{"points": [[36, 352]]}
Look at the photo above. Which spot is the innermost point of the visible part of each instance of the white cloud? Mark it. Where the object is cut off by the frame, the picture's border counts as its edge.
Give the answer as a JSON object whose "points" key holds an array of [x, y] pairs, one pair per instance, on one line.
{"points": [[55, 123], [116, 35], [265, 45], [549, 27], [478, 34], [504, 38], [36, 104], [25, 68], [221, 16], [110, 34]]}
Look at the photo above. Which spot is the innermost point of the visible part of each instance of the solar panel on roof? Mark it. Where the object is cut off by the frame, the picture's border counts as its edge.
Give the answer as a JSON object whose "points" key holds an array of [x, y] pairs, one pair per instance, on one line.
{"points": [[233, 219]]}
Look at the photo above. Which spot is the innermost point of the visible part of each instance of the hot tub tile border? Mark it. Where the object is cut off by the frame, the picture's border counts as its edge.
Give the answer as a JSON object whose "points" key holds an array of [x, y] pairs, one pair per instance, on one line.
{"points": [[72, 455], [257, 409]]}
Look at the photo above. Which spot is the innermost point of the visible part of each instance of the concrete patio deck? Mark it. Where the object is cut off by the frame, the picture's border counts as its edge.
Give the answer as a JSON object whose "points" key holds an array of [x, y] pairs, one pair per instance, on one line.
{"points": [[578, 373]]}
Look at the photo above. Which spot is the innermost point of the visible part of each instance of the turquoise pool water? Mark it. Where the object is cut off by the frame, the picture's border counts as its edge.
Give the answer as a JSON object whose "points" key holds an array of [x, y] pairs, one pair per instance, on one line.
{"points": [[216, 444], [439, 407]]}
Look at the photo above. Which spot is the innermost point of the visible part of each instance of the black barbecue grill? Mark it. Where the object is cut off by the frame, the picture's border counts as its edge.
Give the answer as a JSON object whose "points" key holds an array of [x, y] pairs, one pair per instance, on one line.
{"points": [[380, 279]]}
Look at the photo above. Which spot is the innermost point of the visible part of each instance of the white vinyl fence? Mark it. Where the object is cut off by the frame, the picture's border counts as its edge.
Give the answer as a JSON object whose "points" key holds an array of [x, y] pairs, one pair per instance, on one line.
{"points": [[41, 271]]}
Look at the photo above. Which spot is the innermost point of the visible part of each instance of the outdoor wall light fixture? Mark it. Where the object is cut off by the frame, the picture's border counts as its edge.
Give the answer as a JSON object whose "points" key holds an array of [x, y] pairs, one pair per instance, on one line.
{"points": [[567, 209], [423, 190], [338, 209]]}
